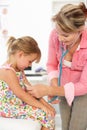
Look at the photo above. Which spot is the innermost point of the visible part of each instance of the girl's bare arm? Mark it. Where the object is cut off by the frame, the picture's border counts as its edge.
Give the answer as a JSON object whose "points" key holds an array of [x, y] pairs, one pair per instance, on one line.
{"points": [[9, 76]]}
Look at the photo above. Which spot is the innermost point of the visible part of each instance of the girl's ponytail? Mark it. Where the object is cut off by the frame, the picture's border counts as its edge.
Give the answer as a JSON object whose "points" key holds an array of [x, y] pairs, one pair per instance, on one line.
{"points": [[10, 43]]}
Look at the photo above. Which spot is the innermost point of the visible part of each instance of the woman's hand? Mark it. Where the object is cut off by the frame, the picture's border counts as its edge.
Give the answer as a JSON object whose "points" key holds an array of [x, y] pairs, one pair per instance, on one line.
{"points": [[53, 83], [39, 90]]}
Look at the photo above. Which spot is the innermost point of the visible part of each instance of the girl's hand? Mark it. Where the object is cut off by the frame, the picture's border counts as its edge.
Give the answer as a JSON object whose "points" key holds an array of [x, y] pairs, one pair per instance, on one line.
{"points": [[52, 108], [44, 102], [49, 112]]}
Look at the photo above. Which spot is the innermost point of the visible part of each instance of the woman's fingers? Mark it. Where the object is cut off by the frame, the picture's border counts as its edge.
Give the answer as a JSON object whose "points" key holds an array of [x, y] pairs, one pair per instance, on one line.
{"points": [[38, 90]]}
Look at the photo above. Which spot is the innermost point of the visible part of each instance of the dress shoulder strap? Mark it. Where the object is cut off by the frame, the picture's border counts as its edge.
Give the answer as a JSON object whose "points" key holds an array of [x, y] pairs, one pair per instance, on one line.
{"points": [[7, 66]]}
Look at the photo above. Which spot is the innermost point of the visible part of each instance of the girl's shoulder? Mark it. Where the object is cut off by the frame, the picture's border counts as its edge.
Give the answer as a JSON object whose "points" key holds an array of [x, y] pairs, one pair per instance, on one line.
{"points": [[7, 66], [12, 70], [6, 71]]}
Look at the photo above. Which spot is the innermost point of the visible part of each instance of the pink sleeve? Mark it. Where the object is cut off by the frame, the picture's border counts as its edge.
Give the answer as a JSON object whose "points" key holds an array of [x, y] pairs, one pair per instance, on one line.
{"points": [[53, 74], [81, 86], [78, 88], [69, 92], [52, 62]]}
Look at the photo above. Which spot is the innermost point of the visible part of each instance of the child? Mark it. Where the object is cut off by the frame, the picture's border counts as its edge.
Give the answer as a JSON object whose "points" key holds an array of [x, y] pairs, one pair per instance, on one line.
{"points": [[15, 101]]}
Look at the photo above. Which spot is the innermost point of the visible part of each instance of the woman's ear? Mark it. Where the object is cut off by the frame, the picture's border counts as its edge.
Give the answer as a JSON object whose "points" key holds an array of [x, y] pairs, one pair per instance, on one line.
{"points": [[81, 29]]}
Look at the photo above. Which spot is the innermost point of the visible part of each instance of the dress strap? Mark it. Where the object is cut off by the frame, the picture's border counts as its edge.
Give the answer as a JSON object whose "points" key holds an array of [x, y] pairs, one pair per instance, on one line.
{"points": [[7, 66]]}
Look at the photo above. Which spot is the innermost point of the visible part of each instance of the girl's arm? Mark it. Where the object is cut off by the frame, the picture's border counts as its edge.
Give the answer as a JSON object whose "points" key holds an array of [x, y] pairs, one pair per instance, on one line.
{"points": [[9, 76], [42, 100], [26, 82]]}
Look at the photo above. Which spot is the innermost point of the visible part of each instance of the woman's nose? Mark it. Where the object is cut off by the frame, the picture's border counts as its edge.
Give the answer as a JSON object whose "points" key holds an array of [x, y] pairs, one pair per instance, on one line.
{"points": [[61, 38]]}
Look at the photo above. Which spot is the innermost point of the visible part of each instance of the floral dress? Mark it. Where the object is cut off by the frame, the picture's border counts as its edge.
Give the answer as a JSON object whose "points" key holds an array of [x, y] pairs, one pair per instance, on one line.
{"points": [[13, 107]]}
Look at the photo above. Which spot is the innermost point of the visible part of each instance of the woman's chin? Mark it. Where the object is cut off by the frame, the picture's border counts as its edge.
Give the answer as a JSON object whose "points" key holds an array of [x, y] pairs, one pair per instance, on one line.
{"points": [[67, 43]]}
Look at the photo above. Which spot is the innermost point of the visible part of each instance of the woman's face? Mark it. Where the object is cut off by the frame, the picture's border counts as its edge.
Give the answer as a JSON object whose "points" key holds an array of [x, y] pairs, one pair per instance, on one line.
{"points": [[67, 38]]}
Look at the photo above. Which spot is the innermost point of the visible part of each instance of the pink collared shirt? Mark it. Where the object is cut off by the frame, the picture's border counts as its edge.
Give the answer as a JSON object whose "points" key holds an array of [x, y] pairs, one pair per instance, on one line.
{"points": [[74, 78]]}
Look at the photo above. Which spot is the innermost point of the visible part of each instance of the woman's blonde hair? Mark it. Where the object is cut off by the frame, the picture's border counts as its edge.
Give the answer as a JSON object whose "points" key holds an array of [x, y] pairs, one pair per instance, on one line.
{"points": [[26, 44], [71, 18]]}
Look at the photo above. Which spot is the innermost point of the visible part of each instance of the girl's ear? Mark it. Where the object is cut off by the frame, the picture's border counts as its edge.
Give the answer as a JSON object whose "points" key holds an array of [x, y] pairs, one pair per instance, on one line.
{"points": [[20, 53]]}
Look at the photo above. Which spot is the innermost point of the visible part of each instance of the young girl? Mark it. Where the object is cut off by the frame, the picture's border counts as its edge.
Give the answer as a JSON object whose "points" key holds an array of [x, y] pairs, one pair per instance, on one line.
{"points": [[15, 101]]}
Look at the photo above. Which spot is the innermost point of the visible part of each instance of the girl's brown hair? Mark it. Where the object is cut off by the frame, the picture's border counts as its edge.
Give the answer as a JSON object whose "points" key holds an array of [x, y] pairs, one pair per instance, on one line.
{"points": [[71, 17], [26, 44]]}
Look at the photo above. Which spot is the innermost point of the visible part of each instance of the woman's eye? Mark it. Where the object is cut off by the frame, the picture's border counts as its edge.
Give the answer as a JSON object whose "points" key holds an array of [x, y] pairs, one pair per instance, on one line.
{"points": [[65, 35]]}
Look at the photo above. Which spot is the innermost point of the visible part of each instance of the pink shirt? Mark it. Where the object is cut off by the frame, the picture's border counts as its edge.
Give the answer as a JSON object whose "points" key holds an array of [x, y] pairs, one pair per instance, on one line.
{"points": [[74, 78]]}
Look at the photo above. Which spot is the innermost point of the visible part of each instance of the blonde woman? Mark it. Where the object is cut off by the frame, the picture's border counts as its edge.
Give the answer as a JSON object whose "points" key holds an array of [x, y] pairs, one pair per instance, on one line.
{"points": [[67, 66]]}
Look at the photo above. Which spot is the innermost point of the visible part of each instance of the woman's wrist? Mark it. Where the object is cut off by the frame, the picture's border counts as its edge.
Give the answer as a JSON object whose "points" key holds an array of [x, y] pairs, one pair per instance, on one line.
{"points": [[56, 91], [54, 82], [50, 91]]}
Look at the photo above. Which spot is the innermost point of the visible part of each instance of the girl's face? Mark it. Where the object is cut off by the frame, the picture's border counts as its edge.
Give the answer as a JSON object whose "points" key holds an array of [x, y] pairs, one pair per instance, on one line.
{"points": [[25, 61], [67, 38]]}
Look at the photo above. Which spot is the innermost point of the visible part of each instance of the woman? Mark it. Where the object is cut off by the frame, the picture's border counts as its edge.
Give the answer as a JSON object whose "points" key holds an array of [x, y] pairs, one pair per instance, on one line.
{"points": [[67, 66]]}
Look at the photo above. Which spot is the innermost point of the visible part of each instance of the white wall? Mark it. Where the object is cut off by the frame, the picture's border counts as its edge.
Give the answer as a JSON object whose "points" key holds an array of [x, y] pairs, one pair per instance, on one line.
{"points": [[31, 17]]}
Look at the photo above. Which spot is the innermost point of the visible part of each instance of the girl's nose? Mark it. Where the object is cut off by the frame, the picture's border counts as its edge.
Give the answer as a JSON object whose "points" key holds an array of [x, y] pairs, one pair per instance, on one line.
{"points": [[30, 64]]}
